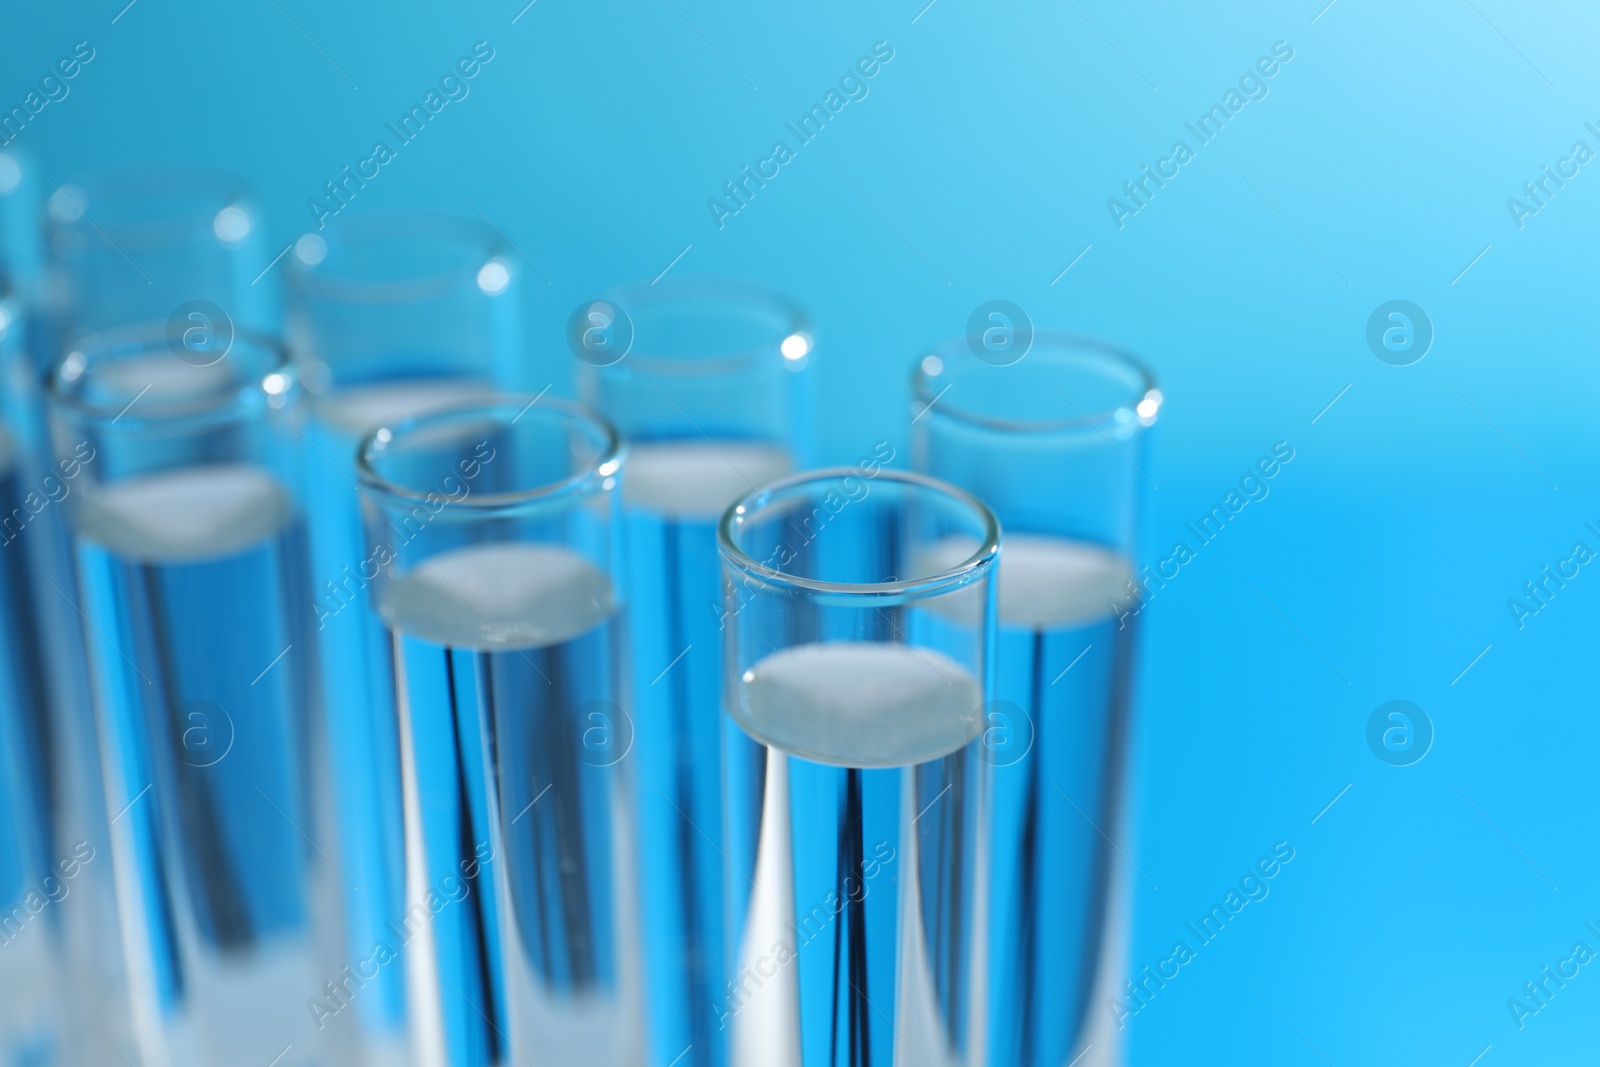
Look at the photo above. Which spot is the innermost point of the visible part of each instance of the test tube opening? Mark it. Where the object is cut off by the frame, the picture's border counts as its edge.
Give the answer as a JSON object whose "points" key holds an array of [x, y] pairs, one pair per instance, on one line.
{"points": [[705, 327], [793, 532], [150, 208], [1065, 383], [384, 260]]}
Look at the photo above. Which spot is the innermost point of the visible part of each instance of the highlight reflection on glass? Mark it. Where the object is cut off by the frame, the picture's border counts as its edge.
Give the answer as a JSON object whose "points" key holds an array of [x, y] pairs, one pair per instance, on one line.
{"points": [[1057, 444], [497, 527], [388, 317], [158, 244], [190, 542], [21, 252], [169, 219], [858, 651], [703, 378]]}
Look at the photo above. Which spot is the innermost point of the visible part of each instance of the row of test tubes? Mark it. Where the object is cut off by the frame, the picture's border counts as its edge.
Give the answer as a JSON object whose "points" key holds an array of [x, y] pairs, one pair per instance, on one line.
{"points": [[365, 703]]}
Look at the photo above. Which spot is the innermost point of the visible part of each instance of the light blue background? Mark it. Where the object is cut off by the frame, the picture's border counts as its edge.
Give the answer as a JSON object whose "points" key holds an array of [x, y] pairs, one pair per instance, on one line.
{"points": [[1414, 508]]}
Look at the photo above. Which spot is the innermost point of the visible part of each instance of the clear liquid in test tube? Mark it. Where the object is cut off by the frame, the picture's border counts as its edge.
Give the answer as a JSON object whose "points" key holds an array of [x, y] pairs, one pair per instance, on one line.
{"points": [[852, 761], [1057, 443], [190, 544], [31, 1021], [507, 628], [706, 378], [388, 316]]}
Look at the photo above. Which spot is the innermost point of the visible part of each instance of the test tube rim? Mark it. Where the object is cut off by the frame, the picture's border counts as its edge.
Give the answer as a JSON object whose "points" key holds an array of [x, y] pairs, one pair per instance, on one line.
{"points": [[957, 352], [668, 290], [212, 189], [121, 341], [611, 452], [309, 282], [972, 569]]}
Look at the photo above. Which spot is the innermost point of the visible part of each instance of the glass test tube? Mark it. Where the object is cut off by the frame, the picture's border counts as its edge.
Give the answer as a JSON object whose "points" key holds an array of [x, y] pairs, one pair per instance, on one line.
{"points": [[21, 253], [190, 546], [498, 531], [1057, 443], [53, 766], [703, 378], [33, 1018], [176, 245], [388, 316], [858, 651]]}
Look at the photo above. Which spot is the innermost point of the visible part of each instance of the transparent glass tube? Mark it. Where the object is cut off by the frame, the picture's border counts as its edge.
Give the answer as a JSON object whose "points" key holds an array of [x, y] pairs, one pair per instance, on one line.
{"points": [[189, 539], [21, 255], [44, 677], [382, 298], [388, 317], [176, 252], [859, 625], [496, 530], [33, 1019], [710, 395], [175, 245], [1057, 444]]}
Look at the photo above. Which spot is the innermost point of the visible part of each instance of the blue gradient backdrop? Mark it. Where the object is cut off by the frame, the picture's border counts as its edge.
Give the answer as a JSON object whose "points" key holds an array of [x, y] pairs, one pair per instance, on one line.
{"points": [[978, 167]]}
